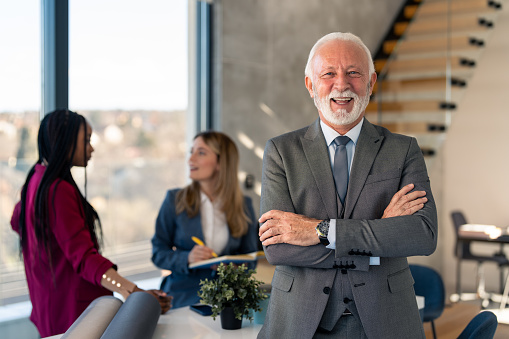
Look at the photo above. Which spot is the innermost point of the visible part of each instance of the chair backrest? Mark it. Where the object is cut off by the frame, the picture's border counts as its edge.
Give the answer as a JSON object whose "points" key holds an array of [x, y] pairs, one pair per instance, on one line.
{"points": [[458, 219], [482, 326], [429, 284]]}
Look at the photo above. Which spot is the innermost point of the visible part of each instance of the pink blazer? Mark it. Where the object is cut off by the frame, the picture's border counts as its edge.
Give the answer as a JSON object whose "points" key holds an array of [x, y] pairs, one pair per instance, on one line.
{"points": [[59, 295]]}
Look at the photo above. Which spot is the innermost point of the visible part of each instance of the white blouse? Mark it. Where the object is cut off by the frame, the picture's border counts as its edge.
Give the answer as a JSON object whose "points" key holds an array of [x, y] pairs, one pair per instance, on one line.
{"points": [[213, 223]]}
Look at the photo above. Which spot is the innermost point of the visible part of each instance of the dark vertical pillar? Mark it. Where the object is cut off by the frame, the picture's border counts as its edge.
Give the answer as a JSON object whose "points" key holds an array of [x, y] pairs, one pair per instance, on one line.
{"points": [[55, 55], [204, 62]]}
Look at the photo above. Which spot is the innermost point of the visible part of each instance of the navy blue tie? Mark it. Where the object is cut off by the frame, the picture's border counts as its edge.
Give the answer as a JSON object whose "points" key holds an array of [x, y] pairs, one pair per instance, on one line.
{"points": [[341, 166]]}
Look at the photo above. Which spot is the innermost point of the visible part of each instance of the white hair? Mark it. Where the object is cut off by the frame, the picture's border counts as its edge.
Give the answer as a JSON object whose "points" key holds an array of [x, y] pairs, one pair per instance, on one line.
{"points": [[342, 37]]}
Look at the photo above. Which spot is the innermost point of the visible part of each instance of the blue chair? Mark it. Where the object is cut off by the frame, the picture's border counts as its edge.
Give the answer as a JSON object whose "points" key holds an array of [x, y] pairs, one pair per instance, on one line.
{"points": [[482, 326], [429, 284]]}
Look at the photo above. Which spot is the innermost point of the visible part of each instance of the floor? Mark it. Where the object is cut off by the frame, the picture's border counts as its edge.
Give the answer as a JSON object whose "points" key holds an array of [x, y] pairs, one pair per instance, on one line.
{"points": [[456, 317], [450, 324]]}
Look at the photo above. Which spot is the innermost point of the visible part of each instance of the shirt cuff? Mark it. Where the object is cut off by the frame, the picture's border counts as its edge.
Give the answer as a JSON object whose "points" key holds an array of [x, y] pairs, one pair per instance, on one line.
{"points": [[331, 236]]}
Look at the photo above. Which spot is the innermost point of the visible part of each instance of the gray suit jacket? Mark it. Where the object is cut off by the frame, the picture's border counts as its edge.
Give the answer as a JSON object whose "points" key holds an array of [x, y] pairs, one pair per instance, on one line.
{"points": [[297, 177]]}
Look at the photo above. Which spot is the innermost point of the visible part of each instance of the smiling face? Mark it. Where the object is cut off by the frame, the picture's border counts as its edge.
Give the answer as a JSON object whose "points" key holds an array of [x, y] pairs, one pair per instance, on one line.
{"points": [[340, 83], [203, 162], [84, 149]]}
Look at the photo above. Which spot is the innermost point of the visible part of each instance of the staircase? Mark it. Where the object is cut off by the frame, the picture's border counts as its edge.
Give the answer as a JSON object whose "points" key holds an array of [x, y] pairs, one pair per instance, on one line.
{"points": [[424, 65]]}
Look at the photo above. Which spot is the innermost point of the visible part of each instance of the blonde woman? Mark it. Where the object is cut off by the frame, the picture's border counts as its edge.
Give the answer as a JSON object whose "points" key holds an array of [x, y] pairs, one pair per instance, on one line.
{"points": [[211, 208]]}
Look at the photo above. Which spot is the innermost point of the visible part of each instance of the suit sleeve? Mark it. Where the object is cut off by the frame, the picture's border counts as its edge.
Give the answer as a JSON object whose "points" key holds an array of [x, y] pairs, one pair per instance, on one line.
{"points": [[398, 236], [165, 253], [276, 196], [73, 236]]}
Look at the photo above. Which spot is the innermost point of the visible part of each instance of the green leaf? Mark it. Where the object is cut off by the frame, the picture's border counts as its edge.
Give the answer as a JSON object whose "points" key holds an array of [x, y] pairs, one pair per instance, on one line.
{"points": [[233, 286]]}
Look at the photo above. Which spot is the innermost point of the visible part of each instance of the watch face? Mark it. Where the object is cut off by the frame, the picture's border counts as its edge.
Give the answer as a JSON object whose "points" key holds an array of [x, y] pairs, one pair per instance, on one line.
{"points": [[323, 228]]}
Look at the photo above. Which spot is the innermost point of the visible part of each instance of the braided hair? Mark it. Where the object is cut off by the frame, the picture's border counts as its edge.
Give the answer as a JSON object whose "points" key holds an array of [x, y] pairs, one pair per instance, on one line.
{"points": [[57, 142]]}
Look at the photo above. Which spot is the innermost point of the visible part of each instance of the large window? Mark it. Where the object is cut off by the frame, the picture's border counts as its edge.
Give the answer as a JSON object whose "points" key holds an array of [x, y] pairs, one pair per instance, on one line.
{"points": [[128, 75], [20, 95]]}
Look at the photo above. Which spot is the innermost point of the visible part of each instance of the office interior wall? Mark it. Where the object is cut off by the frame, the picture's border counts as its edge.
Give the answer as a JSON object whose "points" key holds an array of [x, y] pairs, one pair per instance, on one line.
{"points": [[476, 156], [260, 50]]}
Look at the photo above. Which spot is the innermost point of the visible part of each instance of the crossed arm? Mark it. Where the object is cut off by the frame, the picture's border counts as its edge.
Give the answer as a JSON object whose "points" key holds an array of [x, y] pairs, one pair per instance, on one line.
{"points": [[295, 229], [405, 226]]}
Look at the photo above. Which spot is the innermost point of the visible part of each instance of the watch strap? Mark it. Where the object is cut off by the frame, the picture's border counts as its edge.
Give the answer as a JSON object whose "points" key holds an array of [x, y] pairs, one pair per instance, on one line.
{"points": [[322, 230]]}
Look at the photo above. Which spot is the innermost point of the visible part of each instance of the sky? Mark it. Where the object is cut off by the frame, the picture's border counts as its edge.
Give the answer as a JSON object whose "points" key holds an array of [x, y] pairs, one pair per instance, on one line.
{"points": [[123, 54]]}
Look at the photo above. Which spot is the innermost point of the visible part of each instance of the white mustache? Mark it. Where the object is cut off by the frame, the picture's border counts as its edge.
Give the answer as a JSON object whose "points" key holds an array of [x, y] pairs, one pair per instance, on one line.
{"points": [[344, 94]]}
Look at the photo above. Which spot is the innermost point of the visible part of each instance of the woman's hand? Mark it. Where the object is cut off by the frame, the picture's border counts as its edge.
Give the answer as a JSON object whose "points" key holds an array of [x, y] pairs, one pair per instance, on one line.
{"points": [[162, 297], [199, 253]]}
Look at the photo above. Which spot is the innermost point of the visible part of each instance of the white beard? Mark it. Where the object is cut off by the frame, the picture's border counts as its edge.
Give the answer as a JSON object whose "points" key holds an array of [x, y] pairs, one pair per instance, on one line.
{"points": [[341, 117]]}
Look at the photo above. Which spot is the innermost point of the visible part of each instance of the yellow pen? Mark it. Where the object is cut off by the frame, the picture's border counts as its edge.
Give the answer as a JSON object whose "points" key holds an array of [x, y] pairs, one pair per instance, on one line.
{"points": [[199, 242]]}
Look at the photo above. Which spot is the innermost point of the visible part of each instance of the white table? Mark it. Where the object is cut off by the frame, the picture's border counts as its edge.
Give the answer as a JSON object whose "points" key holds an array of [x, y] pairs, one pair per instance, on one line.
{"points": [[184, 323], [420, 301], [487, 233]]}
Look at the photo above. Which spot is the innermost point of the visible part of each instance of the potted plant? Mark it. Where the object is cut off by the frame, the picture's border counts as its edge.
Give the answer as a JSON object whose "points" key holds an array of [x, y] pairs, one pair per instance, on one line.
{"points": [[232, 294]]}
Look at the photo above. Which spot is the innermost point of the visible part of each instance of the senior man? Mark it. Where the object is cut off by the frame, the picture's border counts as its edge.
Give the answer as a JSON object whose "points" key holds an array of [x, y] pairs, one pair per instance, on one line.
{"points": [[344, 203]]}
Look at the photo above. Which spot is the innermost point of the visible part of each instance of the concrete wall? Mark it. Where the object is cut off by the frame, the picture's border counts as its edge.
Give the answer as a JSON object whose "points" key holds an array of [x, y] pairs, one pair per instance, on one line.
{"points": [[260, 51]]}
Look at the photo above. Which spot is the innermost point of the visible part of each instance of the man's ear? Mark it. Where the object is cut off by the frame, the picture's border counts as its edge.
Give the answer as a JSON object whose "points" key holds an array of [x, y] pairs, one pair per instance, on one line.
{"points": [[309, 86], [372, 82]]}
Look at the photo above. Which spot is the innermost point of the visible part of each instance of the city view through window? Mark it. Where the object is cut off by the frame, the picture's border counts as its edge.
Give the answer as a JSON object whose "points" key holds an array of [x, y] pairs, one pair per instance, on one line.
{"points": [[128, 77]]}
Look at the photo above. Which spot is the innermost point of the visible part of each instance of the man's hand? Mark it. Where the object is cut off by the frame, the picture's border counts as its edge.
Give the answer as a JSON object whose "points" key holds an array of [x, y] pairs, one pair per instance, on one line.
{"points": [[404, 203], [284, 227]]}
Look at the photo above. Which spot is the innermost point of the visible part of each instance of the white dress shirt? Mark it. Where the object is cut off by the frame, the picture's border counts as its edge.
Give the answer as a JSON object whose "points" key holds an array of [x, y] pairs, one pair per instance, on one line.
{"points": [[330, 134], [213, 223]]}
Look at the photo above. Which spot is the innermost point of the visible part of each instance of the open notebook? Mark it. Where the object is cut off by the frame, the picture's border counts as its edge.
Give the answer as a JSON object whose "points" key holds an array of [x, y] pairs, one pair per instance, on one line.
{"points": [[226, 259]]}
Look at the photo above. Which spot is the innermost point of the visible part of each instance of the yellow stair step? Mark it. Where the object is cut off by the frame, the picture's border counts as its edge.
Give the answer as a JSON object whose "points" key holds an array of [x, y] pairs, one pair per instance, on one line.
{"points": [[408, 106], [416, 85], [414, 127], [426, 64], [434, 8], [411, 46], [438, 25]]}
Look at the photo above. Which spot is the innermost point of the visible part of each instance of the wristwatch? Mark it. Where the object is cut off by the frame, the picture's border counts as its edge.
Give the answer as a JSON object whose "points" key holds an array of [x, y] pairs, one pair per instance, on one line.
{"points": [[322, 230]]}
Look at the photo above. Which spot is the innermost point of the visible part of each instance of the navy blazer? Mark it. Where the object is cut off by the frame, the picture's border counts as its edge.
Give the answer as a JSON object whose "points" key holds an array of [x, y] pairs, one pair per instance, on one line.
{"points": [[172, 243]]}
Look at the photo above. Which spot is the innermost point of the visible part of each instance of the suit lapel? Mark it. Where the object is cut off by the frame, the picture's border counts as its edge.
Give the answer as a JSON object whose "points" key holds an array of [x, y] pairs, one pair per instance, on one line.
{"points": [[316, 151], [365, 153]]}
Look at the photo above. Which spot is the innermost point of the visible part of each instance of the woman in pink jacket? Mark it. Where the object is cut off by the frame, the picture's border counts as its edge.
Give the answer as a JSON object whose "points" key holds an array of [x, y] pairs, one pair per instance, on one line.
{"points": [[60, 232]]}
